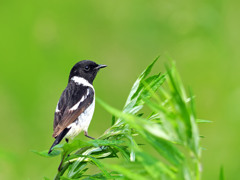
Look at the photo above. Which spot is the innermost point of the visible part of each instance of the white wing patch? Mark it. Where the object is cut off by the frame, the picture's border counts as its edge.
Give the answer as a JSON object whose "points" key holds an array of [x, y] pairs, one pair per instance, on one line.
{"points": [[77, 104], [57, 110], [87, 92]]}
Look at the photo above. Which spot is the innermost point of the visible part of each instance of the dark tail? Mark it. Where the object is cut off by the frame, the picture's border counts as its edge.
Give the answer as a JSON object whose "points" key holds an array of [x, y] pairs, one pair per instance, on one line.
{"points": [[59, 138]]}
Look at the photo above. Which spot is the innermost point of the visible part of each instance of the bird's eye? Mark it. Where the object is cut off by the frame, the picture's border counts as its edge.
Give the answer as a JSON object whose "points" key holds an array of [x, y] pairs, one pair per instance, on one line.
{"points": [[87, 68]]}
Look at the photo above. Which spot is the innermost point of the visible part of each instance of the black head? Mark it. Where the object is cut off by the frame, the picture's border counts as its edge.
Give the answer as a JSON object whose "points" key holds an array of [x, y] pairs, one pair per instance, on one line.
{"points": [[85, 69]]}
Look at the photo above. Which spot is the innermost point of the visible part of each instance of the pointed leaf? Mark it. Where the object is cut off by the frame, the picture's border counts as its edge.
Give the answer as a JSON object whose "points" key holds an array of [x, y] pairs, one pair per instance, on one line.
{"points": [[127, 174], [45, 153], [135, 86], [153, 166]]}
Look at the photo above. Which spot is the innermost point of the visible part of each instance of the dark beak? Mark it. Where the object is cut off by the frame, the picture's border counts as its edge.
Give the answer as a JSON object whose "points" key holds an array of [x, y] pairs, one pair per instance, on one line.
{"points": [[100, 66]]}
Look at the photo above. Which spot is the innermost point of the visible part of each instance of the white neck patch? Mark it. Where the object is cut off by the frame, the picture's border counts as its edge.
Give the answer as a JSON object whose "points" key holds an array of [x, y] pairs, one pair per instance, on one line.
{"points": [[81, 81]]}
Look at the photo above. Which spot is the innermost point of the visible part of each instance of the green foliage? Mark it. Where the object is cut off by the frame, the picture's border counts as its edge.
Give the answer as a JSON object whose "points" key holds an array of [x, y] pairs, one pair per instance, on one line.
{"points": [[221, 176], [170, 128]]}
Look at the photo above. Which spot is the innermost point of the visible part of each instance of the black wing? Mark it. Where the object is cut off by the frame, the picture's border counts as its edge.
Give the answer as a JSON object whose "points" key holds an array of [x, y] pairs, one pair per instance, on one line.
{"points": [[74, 100]]}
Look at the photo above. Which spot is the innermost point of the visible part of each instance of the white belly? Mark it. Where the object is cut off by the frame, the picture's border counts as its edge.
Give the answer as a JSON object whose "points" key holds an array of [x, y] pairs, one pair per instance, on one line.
{"points": [[82, 123]]}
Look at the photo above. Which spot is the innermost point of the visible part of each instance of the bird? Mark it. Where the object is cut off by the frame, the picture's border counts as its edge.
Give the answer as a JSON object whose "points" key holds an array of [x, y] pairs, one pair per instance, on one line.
{"points": [[76, 105]]}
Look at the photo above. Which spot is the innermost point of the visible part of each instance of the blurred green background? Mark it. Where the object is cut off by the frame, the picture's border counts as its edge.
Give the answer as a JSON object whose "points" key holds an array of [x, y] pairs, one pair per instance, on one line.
{"points": [[41, 40]]}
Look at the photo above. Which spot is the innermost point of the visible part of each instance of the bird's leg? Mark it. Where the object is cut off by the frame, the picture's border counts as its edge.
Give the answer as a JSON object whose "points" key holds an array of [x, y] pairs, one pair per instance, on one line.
{"points": [[86, 134]]}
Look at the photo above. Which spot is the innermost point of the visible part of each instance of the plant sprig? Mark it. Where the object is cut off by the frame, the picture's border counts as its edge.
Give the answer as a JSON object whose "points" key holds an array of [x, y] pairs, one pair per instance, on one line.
{"points": [[171, 128]]}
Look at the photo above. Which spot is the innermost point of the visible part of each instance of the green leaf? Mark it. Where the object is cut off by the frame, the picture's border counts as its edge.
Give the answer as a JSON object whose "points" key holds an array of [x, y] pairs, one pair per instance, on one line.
{"points": [[113, 120], [65, 178], [134, 93], [123, 151], [45, 153], [153, 166], [124, 171], [76, 169], [76, 144], [221, 175], [178, 98], [151, 85], [103, 177], [100, 166], [166, 149], [167, 128], [98, 142]]}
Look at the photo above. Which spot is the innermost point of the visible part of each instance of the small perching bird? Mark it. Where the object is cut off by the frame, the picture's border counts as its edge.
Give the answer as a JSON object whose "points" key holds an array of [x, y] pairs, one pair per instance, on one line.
{"points": [[76, 105]]}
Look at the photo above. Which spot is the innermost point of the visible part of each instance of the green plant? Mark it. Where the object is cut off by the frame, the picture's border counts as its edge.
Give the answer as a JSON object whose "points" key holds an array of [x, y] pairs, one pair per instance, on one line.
{"points": [[169, 126]]}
